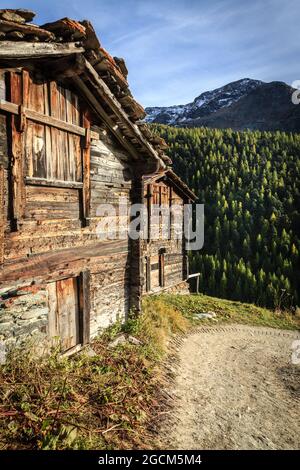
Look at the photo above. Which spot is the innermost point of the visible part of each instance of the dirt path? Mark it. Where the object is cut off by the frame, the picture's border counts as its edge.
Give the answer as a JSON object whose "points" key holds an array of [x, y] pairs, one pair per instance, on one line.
{"points": [[235, 388]]}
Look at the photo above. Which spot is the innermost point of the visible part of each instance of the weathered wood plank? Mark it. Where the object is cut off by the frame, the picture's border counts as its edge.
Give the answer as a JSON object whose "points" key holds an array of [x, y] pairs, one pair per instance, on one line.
{"points": [[86, 164], [85, 305], [72, 160], [51, 121], [17, 150], [55, 183], [68, 312], [75, 141], [2, 85], [48, 140], [36, 101], [35, 50], [51, 202], [40, 265], [148, 274], [52, 315], [36, 194], [63, 137]]}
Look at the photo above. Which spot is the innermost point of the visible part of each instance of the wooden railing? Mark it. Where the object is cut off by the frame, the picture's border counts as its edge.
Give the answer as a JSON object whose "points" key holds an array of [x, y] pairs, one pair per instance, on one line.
{"points": [[197, 276]]}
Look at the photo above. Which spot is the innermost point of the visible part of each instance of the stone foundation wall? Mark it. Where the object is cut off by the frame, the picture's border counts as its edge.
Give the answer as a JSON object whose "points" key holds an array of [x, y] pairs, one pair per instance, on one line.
{"points": [[23, 316]]}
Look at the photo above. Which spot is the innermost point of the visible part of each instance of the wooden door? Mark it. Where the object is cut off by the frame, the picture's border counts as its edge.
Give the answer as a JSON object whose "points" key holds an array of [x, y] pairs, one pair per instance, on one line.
{"points": [[68, 312], [64, 312]]}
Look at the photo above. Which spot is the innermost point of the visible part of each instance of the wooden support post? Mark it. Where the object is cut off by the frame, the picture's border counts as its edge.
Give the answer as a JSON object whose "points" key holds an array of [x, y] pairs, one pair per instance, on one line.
{"points": [[197, 276], [148, 274], [17, 149], [85, 306], [86, 158], [149, 210], [171, 219]]}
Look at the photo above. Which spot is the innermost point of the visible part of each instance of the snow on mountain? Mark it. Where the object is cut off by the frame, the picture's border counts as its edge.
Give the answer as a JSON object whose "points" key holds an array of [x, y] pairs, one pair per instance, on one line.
{"points": [[205, 104]]}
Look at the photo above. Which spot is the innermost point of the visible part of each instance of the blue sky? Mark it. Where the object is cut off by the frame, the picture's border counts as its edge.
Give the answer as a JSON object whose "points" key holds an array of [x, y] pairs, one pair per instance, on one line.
{"points": [[177, 49]]}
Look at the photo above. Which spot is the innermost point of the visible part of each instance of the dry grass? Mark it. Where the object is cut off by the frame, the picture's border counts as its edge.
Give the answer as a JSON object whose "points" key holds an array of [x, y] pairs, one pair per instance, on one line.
{"points": [[102, 402], [159, 323], [110, 400]]}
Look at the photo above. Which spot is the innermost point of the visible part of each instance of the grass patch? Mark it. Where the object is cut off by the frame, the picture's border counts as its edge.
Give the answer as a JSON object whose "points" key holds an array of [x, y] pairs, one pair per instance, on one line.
{"points": [[229, 311], [101, 402]]}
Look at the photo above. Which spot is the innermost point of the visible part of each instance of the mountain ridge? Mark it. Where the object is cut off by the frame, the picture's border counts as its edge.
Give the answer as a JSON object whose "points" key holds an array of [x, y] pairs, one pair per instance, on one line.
{"points": [[243, 104]]}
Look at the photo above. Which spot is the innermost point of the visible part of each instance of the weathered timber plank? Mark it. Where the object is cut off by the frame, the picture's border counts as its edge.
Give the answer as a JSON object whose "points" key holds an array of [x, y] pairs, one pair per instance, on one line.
{"points": [[36, 101], [51, 121], [72, 160], [48, 140], [2, 85], [38, 194], [63, 137], [76, 120], [17, 150], [55, 183], [41, 265], [85, 305], [86, 165], [68, 312], [35, 50], [52, 306]]}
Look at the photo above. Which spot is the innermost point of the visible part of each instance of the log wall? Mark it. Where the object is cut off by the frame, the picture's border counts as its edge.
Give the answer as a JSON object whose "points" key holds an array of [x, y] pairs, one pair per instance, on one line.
{"points": [[50, 241], [164, 260]]}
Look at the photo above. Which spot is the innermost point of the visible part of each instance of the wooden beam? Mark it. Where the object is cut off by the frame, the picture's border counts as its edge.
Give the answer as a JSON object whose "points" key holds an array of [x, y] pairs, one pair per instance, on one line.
{"points": [[148, 274], [55, 183], [42, 265], [114, 104], [36, 50], [94, 103], [17, 153], [86, 166], [12, 108], [85, 306]]}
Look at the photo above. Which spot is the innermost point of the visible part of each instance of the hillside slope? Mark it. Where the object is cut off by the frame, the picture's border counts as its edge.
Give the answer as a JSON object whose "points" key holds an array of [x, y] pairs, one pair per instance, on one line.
{"points": [[249, 183]]}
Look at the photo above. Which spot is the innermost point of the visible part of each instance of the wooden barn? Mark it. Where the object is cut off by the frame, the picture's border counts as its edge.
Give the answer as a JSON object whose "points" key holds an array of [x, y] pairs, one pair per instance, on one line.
{"points": [[164, 254], [71, 138]]}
